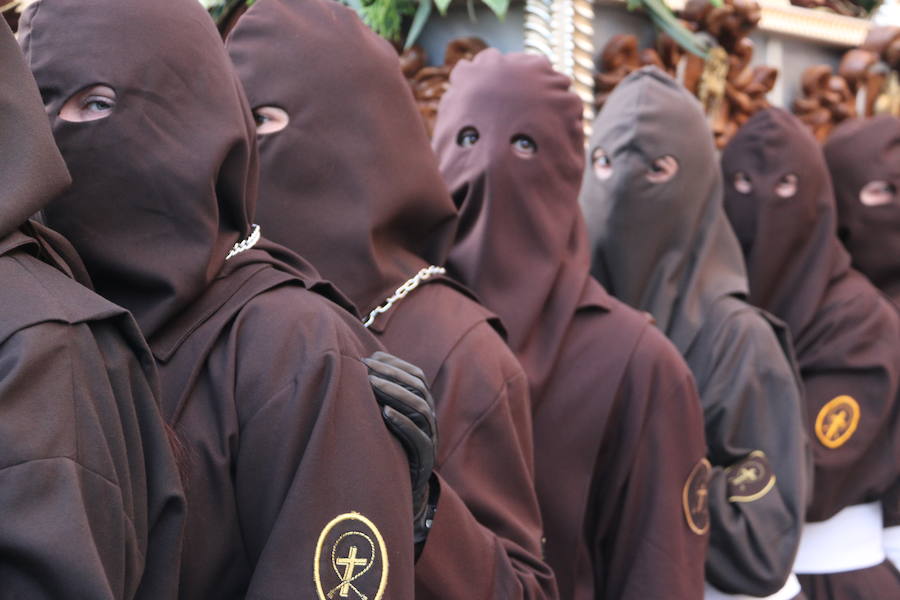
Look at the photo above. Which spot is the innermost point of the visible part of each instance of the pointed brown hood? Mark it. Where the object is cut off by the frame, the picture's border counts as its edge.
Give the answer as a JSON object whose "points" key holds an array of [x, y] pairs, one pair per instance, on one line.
{"points": [[351, 182], [32, 170], [166, 184], [521, 245], [790, 244], [862, 152]]}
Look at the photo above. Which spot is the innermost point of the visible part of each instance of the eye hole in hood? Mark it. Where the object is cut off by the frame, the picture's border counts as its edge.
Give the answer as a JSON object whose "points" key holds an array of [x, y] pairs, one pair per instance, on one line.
{"points": [[270, 119], [91, 103]]}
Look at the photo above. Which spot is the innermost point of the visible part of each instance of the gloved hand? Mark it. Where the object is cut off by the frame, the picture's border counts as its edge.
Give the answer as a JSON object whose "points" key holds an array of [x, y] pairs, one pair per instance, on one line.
{"points": [[408, 410]]}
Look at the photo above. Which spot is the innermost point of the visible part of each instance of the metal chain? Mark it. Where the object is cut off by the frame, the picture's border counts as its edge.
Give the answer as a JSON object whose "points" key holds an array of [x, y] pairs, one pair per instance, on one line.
{"points": [[403, 290], [245, 244]]}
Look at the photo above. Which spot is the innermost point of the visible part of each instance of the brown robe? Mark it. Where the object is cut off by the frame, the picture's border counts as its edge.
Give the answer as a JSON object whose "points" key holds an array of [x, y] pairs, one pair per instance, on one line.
{"points": [[91, 504], [371, 228], [845, 330], [859, 152], [619, 440], [295, 488], [666, 247], [283, 435]]}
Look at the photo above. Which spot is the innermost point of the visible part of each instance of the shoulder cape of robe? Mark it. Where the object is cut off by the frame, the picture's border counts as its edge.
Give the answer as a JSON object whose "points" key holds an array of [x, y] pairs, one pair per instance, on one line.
{"points": [[486, 541], [262, 379], [91, 504]]}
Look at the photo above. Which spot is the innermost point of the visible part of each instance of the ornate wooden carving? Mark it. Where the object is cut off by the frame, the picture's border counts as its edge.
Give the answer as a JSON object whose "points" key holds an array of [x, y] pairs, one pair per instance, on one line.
{"points": [[729, 87], [866, 84], [429, 83]]}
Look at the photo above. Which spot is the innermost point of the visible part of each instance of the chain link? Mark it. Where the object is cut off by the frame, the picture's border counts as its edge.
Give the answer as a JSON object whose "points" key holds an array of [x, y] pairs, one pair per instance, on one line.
{"points": [[245, 244], [403, 290]]}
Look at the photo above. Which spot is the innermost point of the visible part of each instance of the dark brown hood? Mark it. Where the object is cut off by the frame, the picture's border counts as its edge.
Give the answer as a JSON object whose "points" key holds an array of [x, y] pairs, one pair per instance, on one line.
{"points": [[351, 182], [665, 248], [165, 185], [521, 245], [860, 152], [790, 244], [32, 170]]}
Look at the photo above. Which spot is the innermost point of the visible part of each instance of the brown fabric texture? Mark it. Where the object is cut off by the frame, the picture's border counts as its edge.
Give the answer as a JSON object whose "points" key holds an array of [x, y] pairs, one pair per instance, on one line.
{"points": [[387, 215], [844, 329], [34, 172], [260, 377], [617, 425], [91, 503], [157, 252], [860, 152], [367, 217], [666, 247]]}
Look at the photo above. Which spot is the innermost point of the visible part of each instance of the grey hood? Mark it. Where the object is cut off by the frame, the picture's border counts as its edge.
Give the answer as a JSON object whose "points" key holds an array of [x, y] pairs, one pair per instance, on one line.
{"points": [[665, 248]]}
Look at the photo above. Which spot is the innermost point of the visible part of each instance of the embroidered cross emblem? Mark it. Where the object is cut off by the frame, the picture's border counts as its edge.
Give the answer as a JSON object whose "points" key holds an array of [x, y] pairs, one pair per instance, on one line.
{"points": [[350, 562], [837, 422]]}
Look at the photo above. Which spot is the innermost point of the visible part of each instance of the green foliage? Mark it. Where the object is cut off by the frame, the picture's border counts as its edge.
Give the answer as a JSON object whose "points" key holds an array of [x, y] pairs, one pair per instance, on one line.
{"points": [[499, 7], [385, 17], [220, 9], [418, 22], [442, 6], [663, 17], [391, 18]]}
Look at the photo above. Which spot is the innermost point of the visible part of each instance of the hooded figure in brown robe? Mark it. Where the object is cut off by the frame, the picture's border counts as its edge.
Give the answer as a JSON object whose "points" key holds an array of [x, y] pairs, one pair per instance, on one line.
{"points": [[350, 183], [618, 433], [661, 242], [295, 488], [779, 199], [91, 504], [863, 157]]}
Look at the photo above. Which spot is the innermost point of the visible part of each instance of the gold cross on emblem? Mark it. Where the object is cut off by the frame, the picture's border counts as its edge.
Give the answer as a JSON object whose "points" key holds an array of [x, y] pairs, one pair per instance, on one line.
{"points": [[837, 422], [350, 562], [356, 567], [702, 492], [746, 475]]}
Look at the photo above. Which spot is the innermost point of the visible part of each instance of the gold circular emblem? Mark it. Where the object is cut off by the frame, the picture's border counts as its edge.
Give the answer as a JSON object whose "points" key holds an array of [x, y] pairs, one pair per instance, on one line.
{"points": [[837, 421], [351, 559], [694, 497], [750, 478]]}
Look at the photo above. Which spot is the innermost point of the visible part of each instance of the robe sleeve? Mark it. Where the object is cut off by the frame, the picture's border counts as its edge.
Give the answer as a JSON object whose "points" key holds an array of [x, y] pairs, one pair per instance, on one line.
{"points": [[753, 403], [486, 539], [69, 526], [645, 547], [323, 489]]}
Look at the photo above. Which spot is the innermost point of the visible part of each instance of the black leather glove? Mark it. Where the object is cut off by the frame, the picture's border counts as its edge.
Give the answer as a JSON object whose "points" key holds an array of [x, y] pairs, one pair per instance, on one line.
{"points": [[408, 410]]}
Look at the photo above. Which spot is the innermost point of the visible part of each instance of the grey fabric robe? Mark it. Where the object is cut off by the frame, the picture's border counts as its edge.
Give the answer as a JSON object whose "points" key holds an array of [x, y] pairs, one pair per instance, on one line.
{"points": [[664, 245]]}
